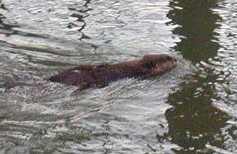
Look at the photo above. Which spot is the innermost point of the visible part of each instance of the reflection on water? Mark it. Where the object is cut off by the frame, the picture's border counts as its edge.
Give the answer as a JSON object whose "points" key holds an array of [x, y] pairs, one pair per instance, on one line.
{"points": [[5, 28], [44, 37], [194, 122], [189, 110], [197, 24]]}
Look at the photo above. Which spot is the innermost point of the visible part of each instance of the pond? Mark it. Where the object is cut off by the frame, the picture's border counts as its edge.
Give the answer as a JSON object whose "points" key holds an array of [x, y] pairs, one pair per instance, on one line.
{"points": [[191, 109]]}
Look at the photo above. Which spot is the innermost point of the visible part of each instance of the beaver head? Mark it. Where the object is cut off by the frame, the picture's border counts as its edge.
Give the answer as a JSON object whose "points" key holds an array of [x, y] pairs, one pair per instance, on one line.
{"points": [[159, 64]]}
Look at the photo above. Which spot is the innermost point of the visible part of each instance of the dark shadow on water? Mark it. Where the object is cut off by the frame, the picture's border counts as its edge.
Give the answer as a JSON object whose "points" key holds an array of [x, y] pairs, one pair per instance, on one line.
{"points": [[4, 28], [8, 28], [80, 14], [11, 28], [197, 24], [193, 120]]}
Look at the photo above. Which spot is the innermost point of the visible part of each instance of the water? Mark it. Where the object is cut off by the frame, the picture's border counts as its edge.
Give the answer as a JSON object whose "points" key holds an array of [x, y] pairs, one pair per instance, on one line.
{"points": [[191, 109]]}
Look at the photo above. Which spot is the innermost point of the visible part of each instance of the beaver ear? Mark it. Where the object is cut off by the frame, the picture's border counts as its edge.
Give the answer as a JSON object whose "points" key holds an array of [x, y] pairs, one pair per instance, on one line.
{"points": [[147, 62], [145, 57]]}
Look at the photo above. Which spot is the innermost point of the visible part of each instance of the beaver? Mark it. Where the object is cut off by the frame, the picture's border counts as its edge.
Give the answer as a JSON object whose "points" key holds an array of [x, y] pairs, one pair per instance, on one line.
{"points": [[99, 76]]}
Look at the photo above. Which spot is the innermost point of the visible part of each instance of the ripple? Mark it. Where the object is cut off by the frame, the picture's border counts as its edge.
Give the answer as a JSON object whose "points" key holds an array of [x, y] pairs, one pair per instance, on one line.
{"points": [[39, 38]]}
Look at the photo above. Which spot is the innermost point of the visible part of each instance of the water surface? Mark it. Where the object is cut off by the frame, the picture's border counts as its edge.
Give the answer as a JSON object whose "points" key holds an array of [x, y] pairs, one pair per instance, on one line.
{"points": [[191, 109]]}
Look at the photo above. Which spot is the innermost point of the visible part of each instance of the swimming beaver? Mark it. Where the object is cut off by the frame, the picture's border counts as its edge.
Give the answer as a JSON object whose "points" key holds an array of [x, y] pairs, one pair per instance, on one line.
{"points": [[87, 76]]}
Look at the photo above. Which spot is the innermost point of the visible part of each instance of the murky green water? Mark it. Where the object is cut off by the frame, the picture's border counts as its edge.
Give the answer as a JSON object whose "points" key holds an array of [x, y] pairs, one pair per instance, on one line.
{"points": [[189, 110]]}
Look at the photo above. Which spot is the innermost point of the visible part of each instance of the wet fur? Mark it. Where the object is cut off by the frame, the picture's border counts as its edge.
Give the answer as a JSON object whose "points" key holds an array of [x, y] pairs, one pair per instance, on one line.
{"points": [[89, 76]]}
